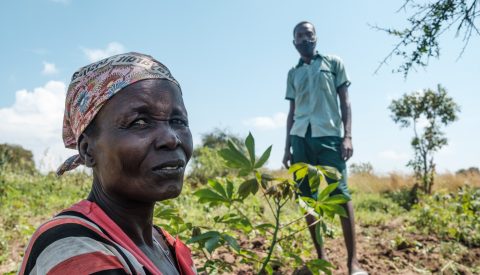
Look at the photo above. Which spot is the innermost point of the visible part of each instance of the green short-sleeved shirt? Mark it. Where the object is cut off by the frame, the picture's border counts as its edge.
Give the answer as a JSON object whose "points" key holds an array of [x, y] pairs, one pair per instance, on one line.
{"points": [[313, 87]]}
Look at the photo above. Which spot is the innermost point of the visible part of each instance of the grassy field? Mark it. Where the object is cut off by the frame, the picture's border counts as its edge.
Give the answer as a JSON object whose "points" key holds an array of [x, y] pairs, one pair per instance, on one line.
{"points": [[441, 234]]}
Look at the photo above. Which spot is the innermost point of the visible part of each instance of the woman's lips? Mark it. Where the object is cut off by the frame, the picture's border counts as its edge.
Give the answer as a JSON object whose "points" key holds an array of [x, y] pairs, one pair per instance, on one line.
{"points": [[170, 169]]}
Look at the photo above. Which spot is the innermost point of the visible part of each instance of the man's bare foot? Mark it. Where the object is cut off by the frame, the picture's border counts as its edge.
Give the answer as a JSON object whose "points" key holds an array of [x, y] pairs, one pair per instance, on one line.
{"points": [[355, 269]]}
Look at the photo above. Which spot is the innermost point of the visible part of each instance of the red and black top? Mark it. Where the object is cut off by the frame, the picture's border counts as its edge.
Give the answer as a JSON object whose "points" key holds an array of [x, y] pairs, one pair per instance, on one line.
{"points": [[84, 240]]}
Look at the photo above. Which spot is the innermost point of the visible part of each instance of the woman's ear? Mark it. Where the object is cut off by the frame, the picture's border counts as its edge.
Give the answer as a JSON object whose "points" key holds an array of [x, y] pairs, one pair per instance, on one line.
{"points": [[85, 148]]}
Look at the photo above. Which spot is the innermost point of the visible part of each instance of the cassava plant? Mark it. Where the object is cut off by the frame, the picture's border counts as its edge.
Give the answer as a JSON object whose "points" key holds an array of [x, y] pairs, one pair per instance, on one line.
{"points": [[230, 194]]}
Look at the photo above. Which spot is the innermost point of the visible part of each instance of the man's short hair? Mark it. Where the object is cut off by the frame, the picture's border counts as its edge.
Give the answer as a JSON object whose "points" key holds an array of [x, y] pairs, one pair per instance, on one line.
{"points": [[303, 23]]}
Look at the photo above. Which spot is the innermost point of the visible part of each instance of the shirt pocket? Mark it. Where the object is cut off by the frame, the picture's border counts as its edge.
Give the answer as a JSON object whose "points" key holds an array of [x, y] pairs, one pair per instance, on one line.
{"points": [[327, 79]]}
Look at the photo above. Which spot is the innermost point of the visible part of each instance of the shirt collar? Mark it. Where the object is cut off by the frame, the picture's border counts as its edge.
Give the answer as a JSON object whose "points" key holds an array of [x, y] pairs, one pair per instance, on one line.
{"points": [[301, 62]]}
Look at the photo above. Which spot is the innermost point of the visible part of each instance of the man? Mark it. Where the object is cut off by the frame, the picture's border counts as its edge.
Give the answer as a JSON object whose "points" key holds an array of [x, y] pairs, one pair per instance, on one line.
{"points": [[315, 88]]}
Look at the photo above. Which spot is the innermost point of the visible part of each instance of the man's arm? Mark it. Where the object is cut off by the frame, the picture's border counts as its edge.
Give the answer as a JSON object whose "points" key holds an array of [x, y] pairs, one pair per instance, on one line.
{"points": [[345, 108], [287, 157]]}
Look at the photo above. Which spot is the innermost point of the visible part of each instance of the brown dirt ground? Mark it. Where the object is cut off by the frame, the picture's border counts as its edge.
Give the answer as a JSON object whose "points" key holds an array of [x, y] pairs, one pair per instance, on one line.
{"points": [[378, 254]]}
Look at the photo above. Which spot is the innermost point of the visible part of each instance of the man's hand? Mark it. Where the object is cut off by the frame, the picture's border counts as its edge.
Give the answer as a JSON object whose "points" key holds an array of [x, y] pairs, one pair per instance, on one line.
{"points": [[287, 158], [347, 148]]}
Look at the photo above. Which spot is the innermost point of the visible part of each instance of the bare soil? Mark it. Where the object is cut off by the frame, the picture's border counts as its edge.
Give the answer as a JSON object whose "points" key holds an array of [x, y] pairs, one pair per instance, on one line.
{"points": [[386, 249]]}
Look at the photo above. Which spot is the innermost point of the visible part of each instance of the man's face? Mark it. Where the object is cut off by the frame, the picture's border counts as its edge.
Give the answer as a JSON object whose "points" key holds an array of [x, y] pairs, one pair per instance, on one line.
{"points": [[305, 39]]}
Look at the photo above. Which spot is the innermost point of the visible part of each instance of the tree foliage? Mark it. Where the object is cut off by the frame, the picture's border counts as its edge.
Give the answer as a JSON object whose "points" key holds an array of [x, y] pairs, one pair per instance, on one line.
{"points": [[361, 168], [427, 22], [16, 157], [434, 109]]}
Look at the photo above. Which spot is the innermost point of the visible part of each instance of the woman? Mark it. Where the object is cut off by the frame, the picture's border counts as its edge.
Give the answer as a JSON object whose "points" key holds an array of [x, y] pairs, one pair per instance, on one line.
{"points": [[125, 115]]}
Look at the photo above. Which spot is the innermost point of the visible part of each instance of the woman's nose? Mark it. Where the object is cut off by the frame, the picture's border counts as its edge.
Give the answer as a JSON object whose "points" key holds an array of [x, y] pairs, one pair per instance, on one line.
{"points": [[166, 137]]}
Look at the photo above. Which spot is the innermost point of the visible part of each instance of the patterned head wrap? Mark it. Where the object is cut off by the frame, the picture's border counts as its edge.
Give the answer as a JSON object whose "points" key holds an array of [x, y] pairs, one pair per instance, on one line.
{"points": [[94, 84]]}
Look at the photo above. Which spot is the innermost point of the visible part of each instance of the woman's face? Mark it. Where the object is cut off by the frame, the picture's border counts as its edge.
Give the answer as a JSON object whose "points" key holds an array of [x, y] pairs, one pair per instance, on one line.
{"points": [[141, 142]]}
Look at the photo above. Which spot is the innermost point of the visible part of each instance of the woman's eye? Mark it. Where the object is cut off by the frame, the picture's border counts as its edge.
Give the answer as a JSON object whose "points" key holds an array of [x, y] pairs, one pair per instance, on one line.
{"points": [[139, 122], [179, 122]]}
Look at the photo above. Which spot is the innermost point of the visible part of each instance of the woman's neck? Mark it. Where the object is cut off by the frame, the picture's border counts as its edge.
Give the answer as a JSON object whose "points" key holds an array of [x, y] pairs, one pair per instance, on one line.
{"points": [[134, 218]]}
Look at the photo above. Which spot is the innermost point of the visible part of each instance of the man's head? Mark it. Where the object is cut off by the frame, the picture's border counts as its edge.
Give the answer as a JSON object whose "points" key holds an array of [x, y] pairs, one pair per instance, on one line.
{"points": [[305, 38]]}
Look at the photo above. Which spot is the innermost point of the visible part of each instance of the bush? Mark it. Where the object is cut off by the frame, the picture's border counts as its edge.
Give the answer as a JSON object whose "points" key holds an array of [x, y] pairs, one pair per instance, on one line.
{"points": [[404, 197], [451, 215]]}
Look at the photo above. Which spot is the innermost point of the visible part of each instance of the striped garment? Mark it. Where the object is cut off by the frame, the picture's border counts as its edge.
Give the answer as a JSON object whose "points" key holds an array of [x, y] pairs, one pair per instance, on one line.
{"points": [[84, 240]]}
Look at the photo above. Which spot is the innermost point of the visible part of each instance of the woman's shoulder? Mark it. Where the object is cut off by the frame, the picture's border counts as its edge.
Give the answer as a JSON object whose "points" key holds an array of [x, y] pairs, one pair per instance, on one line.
{"points": [[71, 242]]}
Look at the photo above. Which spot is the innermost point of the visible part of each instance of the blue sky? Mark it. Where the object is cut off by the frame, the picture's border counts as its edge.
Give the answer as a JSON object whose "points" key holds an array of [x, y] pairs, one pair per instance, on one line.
{"points": [[231, 58]]}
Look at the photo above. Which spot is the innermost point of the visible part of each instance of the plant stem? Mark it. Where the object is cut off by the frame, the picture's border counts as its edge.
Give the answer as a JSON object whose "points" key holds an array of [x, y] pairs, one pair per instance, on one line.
{"points": [[274, 239], [288, 236], [294, 221], [268, 201]]}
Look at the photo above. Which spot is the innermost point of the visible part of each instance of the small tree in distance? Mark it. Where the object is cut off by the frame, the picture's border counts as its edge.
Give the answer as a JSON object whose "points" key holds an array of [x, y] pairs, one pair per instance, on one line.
{"points": [[437, 109]]}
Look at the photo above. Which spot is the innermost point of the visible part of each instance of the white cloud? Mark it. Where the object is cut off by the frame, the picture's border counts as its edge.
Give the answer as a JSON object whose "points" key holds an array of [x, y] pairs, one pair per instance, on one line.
{"points": [[49, 68], [34, 121], [393, 155], [276, 121], [112, 48]]}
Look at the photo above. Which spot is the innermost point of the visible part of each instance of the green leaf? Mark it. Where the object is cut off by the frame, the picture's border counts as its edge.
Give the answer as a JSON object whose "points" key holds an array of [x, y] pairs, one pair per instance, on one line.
{"points": [[165, 212], [233, 147], [265, 156], [324, 227], [330, 172], [212, 243], [318, 233], [231, 241], [313, 178], [247, 187], [336, 199], [331, 209], [317, 265], [244, 225], [204, 236], [264, 226], [325, 192], [218, 187], [268, 269], [300, 170], [229, 189], [208, 195], [339, 210], [250, 144], [234, 159]]}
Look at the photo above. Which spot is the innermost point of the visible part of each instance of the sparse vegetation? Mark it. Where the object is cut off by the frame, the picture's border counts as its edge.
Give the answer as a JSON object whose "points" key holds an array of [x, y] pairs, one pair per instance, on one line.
{"points": [[439, 233]]}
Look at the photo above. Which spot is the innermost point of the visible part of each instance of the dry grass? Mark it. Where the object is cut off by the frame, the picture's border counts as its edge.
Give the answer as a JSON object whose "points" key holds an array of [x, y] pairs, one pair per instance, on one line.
{"points": [[394, 181], [371, 183]]}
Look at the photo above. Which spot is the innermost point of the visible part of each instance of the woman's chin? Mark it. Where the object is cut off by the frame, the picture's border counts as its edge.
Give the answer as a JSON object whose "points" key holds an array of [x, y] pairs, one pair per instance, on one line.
{"points": [[171, 191]]}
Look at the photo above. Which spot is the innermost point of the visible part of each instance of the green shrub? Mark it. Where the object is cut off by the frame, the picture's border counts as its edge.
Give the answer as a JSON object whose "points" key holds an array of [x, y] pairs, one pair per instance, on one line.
{"points": [[375, 209], [451, 215], [404, 197]]}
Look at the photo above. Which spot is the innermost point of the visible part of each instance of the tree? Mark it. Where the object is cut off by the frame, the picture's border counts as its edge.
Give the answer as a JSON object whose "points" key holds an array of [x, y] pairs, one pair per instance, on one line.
{"points": [[428, 21], [16, 158], [435, 109], [361, 168], [470, 171]]}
